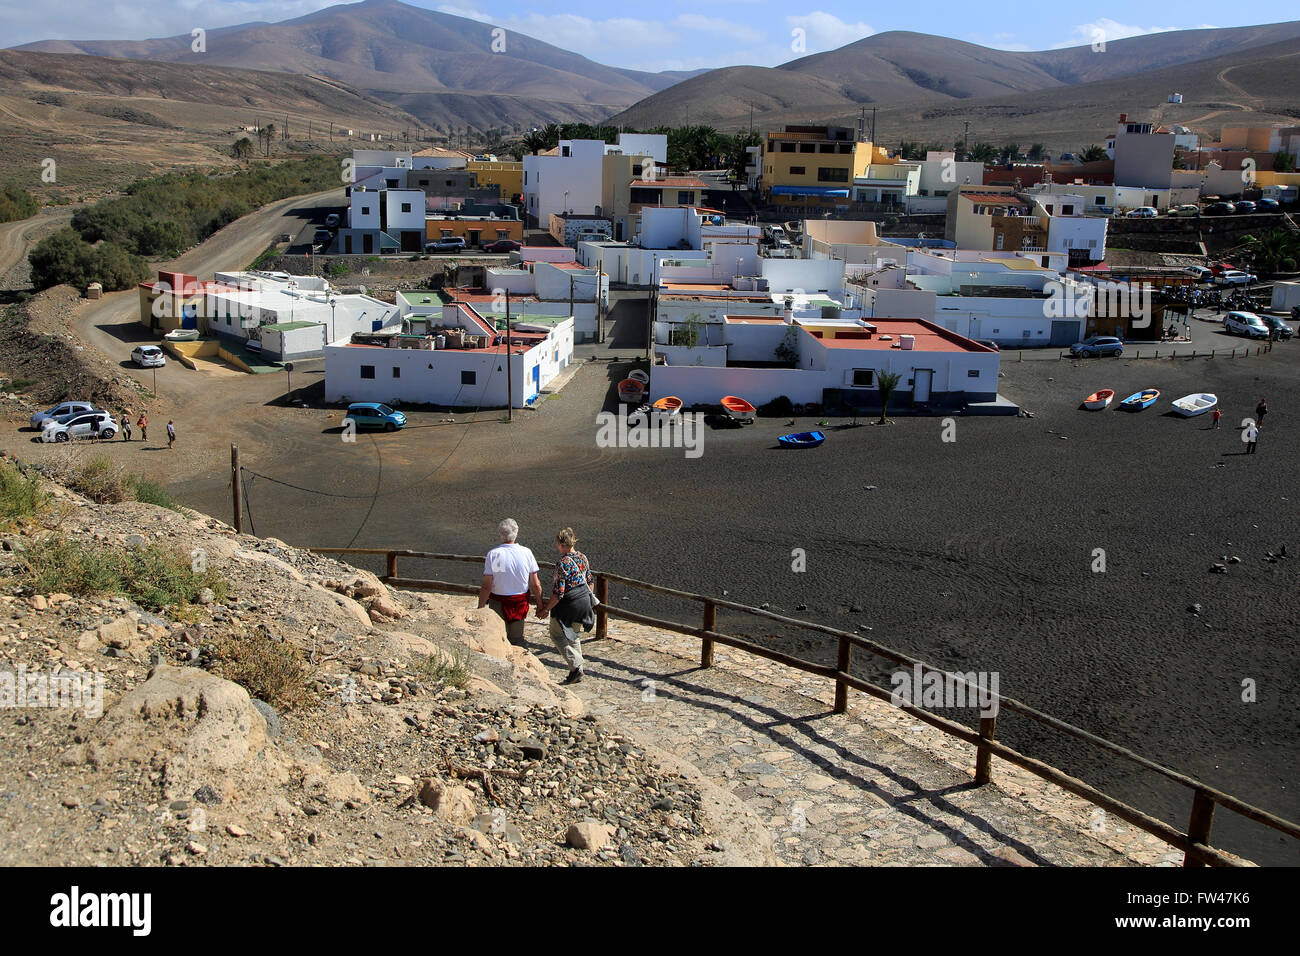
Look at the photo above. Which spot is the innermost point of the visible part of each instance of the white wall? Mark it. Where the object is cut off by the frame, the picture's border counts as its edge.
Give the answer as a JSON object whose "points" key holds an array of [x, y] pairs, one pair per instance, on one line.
{"points": [[405, 221], [514, 281], [1078, 232], [364, 209], [711, 355], [700, 385], [665, 227], [810, 275], [548, 178]]}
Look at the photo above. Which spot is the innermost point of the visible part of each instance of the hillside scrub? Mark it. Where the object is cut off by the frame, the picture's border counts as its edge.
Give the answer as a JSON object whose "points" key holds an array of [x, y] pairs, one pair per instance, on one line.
{"points": [[164, 215], [21, 496], [67, 258], [16, 204]]}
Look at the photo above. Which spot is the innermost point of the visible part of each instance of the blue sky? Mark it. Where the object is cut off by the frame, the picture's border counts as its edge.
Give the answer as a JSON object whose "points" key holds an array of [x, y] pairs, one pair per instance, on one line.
{"points": [[666, 34]]}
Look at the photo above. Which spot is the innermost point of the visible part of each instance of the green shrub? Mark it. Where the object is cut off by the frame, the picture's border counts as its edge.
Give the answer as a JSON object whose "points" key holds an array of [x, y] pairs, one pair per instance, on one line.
{"points": [[20, 495], [151, 493], [269, 670], [16, 204], [66, 257], [452, 671], [150, 576]]}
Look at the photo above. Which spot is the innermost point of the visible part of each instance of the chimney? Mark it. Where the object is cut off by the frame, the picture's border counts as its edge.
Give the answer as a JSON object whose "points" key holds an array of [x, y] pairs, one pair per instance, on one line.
{"points": [[1123, 117]]}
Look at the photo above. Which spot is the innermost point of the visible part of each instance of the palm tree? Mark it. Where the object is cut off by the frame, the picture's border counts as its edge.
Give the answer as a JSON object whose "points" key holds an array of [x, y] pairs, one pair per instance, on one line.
{"points": [[1275, 251], [886, 382]]}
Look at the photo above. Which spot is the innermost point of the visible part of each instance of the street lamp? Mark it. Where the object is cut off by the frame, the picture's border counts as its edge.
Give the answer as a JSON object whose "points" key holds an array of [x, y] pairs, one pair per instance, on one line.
{"points": [[333, 302]]}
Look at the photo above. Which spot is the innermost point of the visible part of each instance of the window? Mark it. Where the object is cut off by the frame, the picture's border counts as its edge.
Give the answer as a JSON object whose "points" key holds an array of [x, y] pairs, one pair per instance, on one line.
{"points": [[826, 148], [365, 210], [636, 169], [367, 371], [503, 234], [807, 147], [397, 371], [797, 170], [997, 242], [564, 151], [1099, 200], [831, 175], [1027, 242], [787, 147], [392, 183], [406, 207], [685, 197], [846, 147], [973, 373], [1067, 210], [449, 182], [862, 377], [467, 377]]}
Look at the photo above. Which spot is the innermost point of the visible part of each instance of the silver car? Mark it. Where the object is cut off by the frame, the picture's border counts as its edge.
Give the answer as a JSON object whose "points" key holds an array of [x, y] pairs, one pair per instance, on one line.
{"points": [[1246, 323], [59, 411], [98, 424], [148, 356]]}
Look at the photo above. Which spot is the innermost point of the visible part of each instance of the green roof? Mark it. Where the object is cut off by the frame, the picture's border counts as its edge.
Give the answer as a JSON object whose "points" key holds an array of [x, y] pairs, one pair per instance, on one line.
{"points": [[422, 297], [290, 326]]}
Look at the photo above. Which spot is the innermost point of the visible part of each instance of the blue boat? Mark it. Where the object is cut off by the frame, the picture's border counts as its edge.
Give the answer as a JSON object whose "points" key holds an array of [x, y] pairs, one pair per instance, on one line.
{"points": [[802, 440], [1140, 400]]}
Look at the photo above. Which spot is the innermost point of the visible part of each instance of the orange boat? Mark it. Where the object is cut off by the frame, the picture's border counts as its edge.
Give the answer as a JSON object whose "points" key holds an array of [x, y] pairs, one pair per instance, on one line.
{"points": [[738, 408], [1099, 399], [668, 405], [631, 391]]}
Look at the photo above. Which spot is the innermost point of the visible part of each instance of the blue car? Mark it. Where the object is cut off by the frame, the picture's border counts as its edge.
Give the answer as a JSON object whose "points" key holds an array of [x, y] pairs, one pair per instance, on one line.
{"points": [[375, 415], [1098, 345]]}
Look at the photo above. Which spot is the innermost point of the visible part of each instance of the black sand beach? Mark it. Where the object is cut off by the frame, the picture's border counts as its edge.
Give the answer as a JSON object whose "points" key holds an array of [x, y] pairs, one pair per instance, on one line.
{"points": [[976, 554]]}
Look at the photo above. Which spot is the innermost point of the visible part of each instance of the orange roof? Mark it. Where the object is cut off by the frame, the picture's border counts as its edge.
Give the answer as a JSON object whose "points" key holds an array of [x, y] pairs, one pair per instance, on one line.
{"points": [[929, 338]]}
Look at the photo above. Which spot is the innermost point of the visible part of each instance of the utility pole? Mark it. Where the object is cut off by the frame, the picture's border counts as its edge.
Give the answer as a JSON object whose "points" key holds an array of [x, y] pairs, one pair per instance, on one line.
{"points": [[873, 125], [510, 383], [965, 139], [862, 125]]}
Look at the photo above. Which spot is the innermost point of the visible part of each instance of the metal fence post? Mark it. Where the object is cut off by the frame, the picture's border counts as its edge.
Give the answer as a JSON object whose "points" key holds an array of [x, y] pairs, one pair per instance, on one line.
{"points": [[983, 756]]}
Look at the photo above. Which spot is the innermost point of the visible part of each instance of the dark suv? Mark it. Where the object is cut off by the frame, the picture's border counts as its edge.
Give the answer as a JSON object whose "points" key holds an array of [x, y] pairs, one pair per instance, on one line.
{"points": [[1275, 324]]}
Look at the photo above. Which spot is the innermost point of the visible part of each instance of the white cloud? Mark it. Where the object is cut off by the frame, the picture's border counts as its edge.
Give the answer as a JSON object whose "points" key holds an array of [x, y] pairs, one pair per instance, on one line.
{"points": [[826, 31], [723, 28], [1107, 30]]}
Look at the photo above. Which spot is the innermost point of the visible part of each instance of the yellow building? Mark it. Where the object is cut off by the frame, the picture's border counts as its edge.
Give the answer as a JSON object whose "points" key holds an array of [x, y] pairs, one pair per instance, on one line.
{"points": [[507, 177], [475, 230], [812, 162]]}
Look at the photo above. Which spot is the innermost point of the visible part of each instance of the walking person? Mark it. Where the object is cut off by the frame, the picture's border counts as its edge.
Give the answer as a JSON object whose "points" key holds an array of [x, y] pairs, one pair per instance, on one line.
{"points": [[143, 425], [1218, 413], [171, 433], [571, 603], [509, 580], [1260, 411], [1252, 438], [126, 427]]}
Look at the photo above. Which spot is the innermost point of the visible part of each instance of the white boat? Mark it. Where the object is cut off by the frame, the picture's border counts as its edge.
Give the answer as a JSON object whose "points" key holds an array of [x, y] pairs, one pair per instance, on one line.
{"points": [[1196, 404], [182, 335]]}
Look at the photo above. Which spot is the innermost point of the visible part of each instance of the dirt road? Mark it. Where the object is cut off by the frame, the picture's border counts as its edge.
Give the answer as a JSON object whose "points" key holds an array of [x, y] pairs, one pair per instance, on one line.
{"points": [[17, 238]]}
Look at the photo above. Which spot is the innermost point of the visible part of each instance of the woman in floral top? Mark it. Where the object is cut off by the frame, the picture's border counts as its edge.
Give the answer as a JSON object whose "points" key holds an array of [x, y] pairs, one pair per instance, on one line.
{"points": [[570, 603]]}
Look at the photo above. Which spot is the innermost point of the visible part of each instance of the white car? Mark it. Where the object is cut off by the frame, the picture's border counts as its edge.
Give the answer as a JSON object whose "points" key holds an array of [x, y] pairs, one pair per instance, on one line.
{"points": [[1200, 273], [1247, 324], [59, 411], [1235, 277], [89, 425], [148, 356], [1143, 212]]}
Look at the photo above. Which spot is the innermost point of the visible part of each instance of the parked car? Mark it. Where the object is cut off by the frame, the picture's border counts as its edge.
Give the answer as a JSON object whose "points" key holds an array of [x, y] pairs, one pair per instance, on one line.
{"points": [[988, 344], [1143, 212], [446, 244], [322, 237], [1245, 205], [375, 415], [79, 426], [1097, 346], [1247, 324], [332, 220], [61, 410], [1235, 277], [1268, 205], [148, 356], [1275, 324], [1200, 273], [1220, 209], [1189, 209], [503, 245]]}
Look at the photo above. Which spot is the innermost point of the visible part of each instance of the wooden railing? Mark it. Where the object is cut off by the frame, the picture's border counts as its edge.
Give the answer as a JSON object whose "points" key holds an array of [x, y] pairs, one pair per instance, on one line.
{"points": [[1195, 842]]}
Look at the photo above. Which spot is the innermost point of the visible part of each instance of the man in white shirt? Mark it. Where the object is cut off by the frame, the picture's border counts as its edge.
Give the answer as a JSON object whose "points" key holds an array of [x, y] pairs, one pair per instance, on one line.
{"points": [[509, 578]]}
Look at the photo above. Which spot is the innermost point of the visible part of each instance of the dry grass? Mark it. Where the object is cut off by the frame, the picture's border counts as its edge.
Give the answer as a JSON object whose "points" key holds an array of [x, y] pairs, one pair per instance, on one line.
{"points": [[273, 671]]}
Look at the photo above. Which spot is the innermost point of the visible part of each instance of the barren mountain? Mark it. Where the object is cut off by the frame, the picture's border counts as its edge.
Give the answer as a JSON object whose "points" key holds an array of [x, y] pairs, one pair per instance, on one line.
{"points": [[899, 72], [384, 45]]}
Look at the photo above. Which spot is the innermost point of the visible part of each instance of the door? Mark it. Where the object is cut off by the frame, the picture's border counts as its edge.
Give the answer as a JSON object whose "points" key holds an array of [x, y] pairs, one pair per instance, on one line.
{"points": [[1064, 332], [367, 243], [921, 379], [537, 379]]}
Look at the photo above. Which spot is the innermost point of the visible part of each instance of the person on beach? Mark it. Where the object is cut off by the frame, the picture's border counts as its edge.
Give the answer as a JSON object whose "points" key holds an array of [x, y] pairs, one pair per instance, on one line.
{"points": [[143, 425], [1252, 438], [1260, 411], [171, 433], [509, 579], [126, 427], [1218, 413], [571, 603]]}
